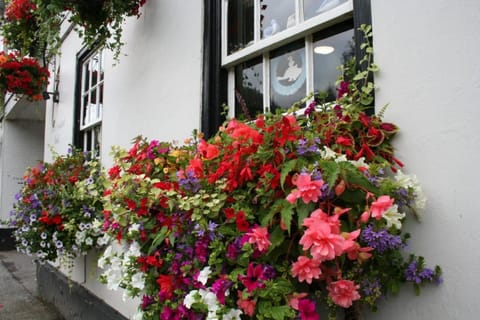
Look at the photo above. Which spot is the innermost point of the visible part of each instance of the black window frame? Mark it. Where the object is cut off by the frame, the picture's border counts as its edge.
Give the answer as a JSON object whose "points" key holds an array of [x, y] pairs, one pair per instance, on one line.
{"points": [[215, 84], [82, 56]]}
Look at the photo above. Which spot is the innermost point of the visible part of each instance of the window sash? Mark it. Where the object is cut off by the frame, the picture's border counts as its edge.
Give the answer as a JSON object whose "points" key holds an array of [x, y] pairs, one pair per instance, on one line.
{"points": [[309, 63], [342, 12], [91, 113]]}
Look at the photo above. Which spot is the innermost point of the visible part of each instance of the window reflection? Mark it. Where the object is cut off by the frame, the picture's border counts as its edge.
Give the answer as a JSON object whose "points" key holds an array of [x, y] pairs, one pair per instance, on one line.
{"points": [[249, 89], [287, 76], [330, 52], [240, 24], [311, 8], [276, 16]]}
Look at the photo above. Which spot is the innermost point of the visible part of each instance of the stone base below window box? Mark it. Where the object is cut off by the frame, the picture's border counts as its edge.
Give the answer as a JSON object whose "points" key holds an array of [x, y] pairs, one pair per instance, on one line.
{"points": [[72, 301]]}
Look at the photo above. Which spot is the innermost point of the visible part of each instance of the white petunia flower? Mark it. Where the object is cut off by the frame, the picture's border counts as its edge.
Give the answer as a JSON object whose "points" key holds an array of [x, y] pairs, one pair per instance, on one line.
{"points": [[134, 228], [138, 315], [328, 153], [105, 257], [393, 217], [103, 240], [210, 299], [360, 163], [190, 299], [114, 278], [89, 241], [203, 276], [134, 250], [233, 314], [138, 280], [411, 181]]}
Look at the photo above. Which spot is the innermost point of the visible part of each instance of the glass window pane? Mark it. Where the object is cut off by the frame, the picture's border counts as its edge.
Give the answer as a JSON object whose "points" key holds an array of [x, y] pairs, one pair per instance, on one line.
{"points": [[249, 89], [287, 76], [98, 140], [311, 8], [87, 146], [86, 77], [100, 95], [93, 96], [240, 24], [85, 109], [329, 53], [276, 16]]}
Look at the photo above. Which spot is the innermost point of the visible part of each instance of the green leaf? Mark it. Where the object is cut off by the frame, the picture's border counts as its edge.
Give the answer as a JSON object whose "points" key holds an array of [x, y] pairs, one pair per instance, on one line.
{"points": [[331, 170], [352, 175], [287, 214], [286, 169], [158, 239], [279, 312], [393, 286], [360, 75], [277, 237], [303, 211]]}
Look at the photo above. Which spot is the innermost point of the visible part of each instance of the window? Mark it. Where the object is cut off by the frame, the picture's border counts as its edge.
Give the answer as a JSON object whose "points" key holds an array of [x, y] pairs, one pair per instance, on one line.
{"points": [[277, 52], [90, 102]]}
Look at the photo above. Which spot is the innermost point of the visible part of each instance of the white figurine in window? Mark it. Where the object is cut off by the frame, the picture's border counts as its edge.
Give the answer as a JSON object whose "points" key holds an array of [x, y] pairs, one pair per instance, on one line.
{"points": [[271, 29], [291, 21]]}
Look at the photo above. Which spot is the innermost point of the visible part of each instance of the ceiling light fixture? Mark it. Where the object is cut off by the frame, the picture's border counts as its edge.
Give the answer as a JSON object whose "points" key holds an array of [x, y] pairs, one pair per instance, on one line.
{"points": [[324, 49]]}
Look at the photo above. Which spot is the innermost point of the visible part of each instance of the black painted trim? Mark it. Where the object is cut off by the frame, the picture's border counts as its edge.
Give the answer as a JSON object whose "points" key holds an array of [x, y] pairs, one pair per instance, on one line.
{"points": [[7, 240], [72, 301], [82, 55], [214, 76], [77, 137], [362, 14]]}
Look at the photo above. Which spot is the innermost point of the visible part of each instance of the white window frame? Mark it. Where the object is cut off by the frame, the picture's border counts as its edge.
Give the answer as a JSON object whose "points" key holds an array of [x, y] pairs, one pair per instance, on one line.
{"points": [[91, 115], [303, 29]]}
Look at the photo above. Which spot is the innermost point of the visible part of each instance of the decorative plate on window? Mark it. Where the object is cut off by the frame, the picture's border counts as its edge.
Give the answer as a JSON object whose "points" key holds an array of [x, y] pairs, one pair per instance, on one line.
{"points": [[289, 73]]}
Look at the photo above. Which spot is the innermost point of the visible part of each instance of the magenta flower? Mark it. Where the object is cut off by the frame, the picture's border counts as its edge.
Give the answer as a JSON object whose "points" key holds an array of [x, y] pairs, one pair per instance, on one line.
{"points": [[307, 310], [254, 278]]}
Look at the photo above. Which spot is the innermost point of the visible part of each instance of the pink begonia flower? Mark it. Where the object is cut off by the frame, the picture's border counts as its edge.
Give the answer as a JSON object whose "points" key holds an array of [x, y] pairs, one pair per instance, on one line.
{"points": [[343, 292], [307, 189], [306, 269], [307, 310], [350, 239], [259, 237], [378, 207], [319, 215], [365, 216], [319, 238]]}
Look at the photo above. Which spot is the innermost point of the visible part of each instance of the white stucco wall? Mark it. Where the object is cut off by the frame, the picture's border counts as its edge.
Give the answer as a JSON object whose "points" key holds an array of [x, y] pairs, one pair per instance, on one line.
{"points": [[430, 74], [155, 91], [21, 147]]}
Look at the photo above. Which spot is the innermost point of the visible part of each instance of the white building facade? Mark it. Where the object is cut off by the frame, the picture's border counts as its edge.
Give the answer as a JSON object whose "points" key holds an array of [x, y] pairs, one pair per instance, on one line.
{"points": [[184, 59]]}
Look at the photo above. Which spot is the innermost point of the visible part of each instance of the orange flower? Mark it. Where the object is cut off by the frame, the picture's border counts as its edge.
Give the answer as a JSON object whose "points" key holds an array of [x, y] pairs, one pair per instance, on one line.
{"points": [[3, 59]]}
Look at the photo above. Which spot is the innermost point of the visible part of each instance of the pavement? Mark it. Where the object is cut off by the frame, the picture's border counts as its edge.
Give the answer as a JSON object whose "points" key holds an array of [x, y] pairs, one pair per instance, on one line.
{"points": [[18, 290]]}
